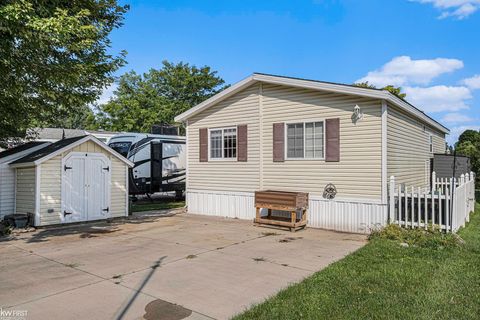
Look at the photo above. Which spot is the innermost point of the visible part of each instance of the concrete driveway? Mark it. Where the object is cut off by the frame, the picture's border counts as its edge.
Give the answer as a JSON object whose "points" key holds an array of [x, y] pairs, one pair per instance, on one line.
{"points": [[153, 267]]}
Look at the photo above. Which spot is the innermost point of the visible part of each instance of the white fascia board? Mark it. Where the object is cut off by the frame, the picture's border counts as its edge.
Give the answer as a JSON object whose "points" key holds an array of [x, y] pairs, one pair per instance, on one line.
{"points": [[415, 112], [216, 98], [314, 85]]}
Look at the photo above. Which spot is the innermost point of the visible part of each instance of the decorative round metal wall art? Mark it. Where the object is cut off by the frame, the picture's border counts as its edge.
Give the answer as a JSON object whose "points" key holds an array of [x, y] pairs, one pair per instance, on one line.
{"points": [[330, 191]]}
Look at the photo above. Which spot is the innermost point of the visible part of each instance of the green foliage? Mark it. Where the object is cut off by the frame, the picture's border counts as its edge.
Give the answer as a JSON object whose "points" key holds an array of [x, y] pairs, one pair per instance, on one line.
{"points": [[430, 238], [5, 229], [157, 96], [164, 205], [469, 145], [395, 90], [54, 59]]}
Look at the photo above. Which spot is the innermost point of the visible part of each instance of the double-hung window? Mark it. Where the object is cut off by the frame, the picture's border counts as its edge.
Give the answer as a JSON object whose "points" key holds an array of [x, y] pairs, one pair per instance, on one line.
{"points": [[223, 143], [305, 140]]}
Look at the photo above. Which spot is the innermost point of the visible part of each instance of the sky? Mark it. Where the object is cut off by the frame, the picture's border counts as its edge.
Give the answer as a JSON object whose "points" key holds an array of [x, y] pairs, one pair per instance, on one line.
{"points": [[431, 48]]}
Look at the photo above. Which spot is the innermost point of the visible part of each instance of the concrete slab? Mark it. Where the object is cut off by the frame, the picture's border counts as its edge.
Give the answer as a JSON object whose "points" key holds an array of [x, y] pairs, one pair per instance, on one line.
{"points": [[217, 284], [187, 266]]}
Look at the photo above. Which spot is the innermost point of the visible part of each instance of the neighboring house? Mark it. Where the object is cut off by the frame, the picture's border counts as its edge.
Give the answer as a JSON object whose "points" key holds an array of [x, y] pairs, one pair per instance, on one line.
{"points": [[279, 133], [55, 134], [71, 180], [7, 174]]}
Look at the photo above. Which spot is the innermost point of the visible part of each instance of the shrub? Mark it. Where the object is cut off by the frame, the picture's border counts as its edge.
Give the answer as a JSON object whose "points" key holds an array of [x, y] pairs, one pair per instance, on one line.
{"points": [[432, 237], [5, 229]]}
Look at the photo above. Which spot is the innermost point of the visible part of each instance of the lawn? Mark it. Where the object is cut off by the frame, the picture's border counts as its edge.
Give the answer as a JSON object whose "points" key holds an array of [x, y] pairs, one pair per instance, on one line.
{"points": [[157, 205], [384, 280]]}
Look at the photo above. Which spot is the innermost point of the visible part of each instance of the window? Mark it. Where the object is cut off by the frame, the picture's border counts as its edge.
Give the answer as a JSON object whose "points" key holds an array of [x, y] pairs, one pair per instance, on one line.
{"points": [[305, 140], [430, 141], [121, 147], [223, 143]]}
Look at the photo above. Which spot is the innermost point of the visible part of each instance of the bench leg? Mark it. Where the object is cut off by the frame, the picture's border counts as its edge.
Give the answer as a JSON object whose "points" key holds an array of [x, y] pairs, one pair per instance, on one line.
{"points": [[257, 214], [269, 213]]}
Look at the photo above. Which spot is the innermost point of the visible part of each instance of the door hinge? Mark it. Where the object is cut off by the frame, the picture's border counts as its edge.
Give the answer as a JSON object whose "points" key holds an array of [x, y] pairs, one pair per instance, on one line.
{"points": [[107, 169], [67, 168], [106, 210], [65, 213]]}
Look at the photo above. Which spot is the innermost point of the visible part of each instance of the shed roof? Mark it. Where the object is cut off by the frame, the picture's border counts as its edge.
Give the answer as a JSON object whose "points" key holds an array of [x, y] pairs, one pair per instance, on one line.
{"points": [[314, 85], [20, 148], [60, 146]]}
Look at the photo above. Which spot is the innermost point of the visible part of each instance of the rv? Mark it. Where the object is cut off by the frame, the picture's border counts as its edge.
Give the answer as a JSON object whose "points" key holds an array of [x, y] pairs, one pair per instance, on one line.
{"points": [[159, 161]]}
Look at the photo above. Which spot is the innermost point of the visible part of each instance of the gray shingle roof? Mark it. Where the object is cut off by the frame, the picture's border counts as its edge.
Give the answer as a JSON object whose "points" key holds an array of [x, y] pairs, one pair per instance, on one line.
{"points": [[47, 150]]}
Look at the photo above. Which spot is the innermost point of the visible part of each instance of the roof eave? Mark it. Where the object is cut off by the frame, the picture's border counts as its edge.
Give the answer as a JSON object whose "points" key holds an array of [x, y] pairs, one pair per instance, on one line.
{"points": [[314, 85]]}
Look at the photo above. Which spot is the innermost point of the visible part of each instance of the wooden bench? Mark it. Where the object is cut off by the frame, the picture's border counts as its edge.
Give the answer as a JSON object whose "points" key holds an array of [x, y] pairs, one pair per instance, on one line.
{"points": [[284, 201]]}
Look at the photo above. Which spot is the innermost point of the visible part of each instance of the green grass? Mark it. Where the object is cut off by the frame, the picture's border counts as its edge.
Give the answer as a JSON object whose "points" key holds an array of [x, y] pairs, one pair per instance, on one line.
{"points": [[138, 207], [386, 281]]}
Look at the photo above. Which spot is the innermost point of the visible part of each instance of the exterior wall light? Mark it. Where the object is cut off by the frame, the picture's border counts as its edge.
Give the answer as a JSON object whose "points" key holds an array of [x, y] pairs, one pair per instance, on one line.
{"points": [[357, 114]]}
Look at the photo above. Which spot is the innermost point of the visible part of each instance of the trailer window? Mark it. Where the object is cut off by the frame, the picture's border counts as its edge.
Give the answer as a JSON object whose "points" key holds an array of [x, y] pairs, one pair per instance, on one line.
{"points": [[121, 147], [223, 143], [305, 140]]}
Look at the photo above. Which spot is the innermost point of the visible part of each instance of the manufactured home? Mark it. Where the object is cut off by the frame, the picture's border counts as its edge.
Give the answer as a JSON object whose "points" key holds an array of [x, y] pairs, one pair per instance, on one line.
{"points": [[71, 180], [338, 143]]}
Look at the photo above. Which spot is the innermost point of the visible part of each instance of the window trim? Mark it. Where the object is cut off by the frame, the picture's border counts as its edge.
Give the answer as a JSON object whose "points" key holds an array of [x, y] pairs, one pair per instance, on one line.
{"points": [[304, 122], [210, 144]]}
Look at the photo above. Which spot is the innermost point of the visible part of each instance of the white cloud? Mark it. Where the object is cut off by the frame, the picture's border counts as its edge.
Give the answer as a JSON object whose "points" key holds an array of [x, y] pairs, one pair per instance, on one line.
{"points": [[455, 132], [456, 118], [459, 9], [403, 70], [439, 98], [106, 94], [473, 82]]}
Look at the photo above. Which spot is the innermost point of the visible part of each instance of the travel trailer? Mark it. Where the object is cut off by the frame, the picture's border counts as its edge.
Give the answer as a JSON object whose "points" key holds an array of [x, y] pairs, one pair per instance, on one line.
{"points": [[159, 161]]}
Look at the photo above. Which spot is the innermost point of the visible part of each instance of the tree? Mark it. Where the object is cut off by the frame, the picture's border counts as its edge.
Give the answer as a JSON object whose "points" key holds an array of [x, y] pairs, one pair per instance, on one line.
{"points": [[395, 90], [469, 145], [54, 59], [157, 96], [469, 135]]}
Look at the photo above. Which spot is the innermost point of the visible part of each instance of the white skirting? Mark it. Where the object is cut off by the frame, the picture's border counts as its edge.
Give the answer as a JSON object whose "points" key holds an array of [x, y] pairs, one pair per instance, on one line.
{"points": [[345, 215]]}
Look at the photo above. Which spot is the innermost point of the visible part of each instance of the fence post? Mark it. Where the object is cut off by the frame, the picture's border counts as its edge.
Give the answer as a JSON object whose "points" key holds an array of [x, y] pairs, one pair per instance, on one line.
{"points": [[434, 181], [392, 200]]}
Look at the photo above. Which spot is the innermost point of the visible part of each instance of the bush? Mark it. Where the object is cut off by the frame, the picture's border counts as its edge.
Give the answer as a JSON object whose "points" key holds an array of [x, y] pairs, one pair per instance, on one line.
{"points": [[5, 229], [432, 237]]}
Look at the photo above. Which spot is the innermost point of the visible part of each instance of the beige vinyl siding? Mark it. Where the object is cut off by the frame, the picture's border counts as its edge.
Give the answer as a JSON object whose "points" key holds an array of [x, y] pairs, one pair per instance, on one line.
{"points": [[7, 189], [228, 175], [25, 190], [408, 148], [118, 193], [357, 175], [51, 185]]}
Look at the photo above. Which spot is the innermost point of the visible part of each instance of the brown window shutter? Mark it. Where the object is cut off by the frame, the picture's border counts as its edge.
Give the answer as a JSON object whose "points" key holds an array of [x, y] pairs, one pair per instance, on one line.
{"points": [[242, 139], [278, 142], [203, 137], [332, 140]]}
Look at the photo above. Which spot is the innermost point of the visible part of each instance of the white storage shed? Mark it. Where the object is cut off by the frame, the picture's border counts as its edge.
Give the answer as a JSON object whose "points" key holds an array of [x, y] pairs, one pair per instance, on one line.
{"points": [[72, 180], [7, 174]]}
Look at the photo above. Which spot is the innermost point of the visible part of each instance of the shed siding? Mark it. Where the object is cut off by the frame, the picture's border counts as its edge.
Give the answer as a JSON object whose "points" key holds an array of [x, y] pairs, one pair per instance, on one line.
{"points": [[51, 185], [239, 109], [408, 148], [7, 189], [25, 190], [358, 174]]}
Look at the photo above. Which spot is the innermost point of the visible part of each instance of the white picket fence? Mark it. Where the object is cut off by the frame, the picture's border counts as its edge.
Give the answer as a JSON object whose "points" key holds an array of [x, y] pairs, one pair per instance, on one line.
{"points": [[447, 204]]}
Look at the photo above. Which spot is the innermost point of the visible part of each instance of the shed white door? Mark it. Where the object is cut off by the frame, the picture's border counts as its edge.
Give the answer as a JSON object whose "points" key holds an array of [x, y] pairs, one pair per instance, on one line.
{"points": [[86, 187]]}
